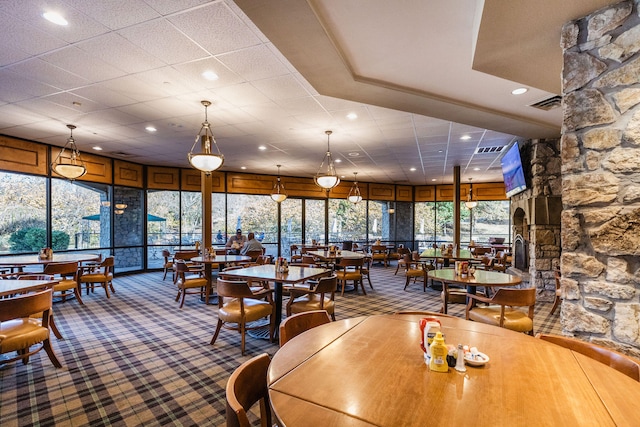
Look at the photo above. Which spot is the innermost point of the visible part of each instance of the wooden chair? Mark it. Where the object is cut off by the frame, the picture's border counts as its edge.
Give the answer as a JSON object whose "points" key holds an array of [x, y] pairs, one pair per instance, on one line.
{"points": [[20, 331], [350, 269], [192, 285], [254, 254], [247, 386], [103, 276], [318, 297], [42, 276], [558, 296], [296, 256], [415, 270], [379, 254], [500, 311], [609, 357], [168, 264], [186, 257], [452, 295], [402, 260], [67, 274], [298, 323], [366, 270], [422, 313], [238, 305]]}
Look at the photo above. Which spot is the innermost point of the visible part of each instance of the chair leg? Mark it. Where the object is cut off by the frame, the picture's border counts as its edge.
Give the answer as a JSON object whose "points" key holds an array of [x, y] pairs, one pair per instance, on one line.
{"points": [[344, 285], [555, 305], [52, 355], [407, 283], [243, 326], [361, 283], [397, 268], [54, 328], [111, 286], [78, 292], [184, 294], [165, 274], [105, 285], [215, 334]]}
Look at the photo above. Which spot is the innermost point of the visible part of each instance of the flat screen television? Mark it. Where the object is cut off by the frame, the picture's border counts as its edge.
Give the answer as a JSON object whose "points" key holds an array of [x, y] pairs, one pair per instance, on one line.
{"points": [[512, 171]]}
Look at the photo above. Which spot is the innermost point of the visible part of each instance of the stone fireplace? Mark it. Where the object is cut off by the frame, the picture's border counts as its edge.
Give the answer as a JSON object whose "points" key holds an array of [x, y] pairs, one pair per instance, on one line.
{"points": [[536, 217]]}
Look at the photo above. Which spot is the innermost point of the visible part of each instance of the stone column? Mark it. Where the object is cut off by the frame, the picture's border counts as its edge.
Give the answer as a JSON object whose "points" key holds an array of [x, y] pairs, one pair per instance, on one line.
{"points": [[601, 177]]}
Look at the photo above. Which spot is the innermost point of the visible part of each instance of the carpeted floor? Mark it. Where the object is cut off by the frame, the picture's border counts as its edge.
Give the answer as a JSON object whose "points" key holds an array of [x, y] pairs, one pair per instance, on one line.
{"points": [[138, 360]]}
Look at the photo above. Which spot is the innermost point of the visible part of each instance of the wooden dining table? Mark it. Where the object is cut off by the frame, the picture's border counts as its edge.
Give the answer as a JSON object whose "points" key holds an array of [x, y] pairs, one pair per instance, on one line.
{"points": [[370, 371], [267, 272], [57, 257], [11, 287], [221, 261], [482, 278], [457, 255]]}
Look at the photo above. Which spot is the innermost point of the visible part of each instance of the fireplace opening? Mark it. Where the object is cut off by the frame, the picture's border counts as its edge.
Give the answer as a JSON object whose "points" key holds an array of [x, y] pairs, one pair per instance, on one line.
{"points": [[520, 255]]}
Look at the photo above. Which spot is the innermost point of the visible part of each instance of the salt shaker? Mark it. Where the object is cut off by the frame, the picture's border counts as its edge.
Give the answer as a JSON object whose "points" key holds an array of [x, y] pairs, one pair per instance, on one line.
{"points": [[460, 362]]}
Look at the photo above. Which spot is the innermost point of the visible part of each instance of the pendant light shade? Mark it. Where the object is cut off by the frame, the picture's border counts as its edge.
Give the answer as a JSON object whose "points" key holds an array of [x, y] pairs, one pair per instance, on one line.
{"points": [[354, 194], [209, 159], [470, 203], [68, 163], [278, 194], [327, 177]]}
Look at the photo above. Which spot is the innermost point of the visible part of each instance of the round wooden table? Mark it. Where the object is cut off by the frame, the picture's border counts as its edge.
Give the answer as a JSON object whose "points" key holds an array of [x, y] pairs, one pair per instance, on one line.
{"points": [[484, 278], [370, 371], [57, 257]]}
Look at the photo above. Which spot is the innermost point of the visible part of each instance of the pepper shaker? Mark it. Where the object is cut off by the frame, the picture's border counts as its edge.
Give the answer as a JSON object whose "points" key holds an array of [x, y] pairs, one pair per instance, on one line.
{"points": [[460, 362]]}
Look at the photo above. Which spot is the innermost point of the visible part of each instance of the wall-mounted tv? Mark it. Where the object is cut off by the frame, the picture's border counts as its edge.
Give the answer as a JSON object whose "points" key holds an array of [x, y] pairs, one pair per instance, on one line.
{"points": [[512, 171]]}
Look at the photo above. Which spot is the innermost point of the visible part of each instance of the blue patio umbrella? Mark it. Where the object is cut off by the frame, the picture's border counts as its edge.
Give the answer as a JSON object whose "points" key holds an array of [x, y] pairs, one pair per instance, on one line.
{"points": [[150, 217]]}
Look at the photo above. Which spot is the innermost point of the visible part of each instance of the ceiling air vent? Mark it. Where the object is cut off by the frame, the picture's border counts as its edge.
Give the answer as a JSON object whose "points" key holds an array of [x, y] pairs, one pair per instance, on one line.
{"points": [[488, 150], [121, 154], [548, 104]]}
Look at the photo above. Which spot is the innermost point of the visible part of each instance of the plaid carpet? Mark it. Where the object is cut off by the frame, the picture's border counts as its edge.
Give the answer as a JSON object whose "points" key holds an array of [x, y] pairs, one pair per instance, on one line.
{"points": [[138, 360]]}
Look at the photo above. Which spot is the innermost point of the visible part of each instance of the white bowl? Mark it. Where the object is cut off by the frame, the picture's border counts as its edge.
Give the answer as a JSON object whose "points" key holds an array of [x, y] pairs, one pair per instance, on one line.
{"points": [[480, 359]]}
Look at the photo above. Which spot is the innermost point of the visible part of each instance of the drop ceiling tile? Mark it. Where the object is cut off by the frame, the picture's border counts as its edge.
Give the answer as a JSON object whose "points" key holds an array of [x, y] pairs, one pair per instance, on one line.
{"points": [[193, 72], [164, 41], [104, 96], [215, 28], [115, 14], [280, 88], [302, 106], [254, 63], [44, 72], [120, 53], [82, 63], [242, 94], [166, 7], [16, 87], [23, 37], [135, 88]]}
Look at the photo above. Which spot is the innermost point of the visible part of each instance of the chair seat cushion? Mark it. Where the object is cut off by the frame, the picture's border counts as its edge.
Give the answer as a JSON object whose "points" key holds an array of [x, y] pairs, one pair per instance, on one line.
{"points": [[515, 320], [348, 275], [65, 285], [96, 277], [21, 333], [415, 273], [196, 282], [312, 302], [253, 310]]}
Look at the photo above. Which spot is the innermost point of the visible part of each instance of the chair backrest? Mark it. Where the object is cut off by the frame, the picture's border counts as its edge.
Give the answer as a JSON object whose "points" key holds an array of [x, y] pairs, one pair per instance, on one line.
{"points": [[379, 249], [233, 288], [525, 297], [166, 254], [186, 255], [35, 276], [25, 305], [617, 361], [296, 324], [247, 385], [254, 254], [308, 259], [62, 268], [326, 285], [351, 262]]}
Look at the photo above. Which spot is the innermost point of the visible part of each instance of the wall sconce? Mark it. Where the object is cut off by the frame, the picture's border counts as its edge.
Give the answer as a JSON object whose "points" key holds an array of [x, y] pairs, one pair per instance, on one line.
{"points": [[121, 206], [392, 208]]}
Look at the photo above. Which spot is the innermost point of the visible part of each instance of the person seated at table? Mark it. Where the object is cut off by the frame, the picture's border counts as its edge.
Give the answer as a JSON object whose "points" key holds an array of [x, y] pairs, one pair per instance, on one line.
{"points": [[235, 243], [252, 244]]}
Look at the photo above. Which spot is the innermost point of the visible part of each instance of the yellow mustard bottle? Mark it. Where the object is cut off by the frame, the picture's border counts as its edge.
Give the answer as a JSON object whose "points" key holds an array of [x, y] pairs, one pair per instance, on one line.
{"points": [[439, 352]]}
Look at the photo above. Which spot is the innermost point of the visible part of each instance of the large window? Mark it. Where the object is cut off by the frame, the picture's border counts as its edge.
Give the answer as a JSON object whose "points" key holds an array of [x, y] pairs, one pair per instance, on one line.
{"points": [[163, 224], [191, 218], [314, 222], [348, 222], [80, 215], [425, 225], [491, 219], [291, 225], [257, 214], [23, 214]]}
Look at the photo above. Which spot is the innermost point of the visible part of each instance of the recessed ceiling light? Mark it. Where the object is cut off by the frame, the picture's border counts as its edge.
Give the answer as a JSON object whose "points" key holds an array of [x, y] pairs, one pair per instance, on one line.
{"points": [[352, 116], [97, 148], [412, 169], [354, 154], [465, 137], [76, 103], [243, 167], [151, 129], [433, 180], [476, 169], [262, 147], [210, 75], [55, 17], [440, 151], [338, 160], [519, 91]]}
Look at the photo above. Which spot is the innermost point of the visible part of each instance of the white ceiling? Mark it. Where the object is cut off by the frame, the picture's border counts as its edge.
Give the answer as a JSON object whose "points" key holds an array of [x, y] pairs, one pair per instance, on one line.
{"points": [[418, 74]]}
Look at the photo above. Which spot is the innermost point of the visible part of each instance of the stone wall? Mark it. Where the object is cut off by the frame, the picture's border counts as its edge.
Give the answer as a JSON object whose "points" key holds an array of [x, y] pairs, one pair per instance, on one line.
{"points": [[600, 177], [536, 214]]}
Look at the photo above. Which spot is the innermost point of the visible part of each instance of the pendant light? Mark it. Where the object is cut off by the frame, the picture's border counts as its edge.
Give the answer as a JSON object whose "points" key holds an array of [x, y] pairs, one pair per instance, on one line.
{"points": [[206, 161], [354, 194], [470, 203], [278, 194], [329, 178], [71, 167]]}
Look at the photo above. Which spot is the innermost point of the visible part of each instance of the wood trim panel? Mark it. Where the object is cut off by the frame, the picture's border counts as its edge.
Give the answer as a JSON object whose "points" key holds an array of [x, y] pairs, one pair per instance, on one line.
{"points": [[98, 168], [384, 192], [128, 174], [301, 187], [444, 193], [191, 181], [425, 193], [23, 156], [490, 191], [404, 193], [159, 178]]}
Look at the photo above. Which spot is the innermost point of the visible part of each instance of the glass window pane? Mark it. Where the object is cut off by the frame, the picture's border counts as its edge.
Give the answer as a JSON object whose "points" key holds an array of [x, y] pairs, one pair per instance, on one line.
{"points": [[218, 221], [191, 218], [163, 225], [257, 214], [444, 223], [348, 221], [381, 221], [465, 225], [491, 219], [425, 225], [314, 221], [291, 213], [23, 204], [80, 214]]}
